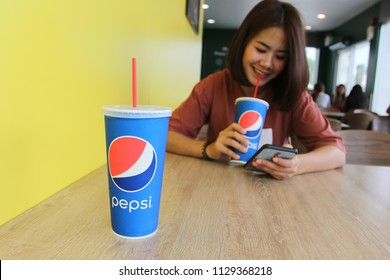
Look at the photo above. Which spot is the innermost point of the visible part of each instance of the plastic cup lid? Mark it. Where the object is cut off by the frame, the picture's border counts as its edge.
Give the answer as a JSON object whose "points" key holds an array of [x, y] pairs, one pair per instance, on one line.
{"points": [[139, 112], [252, 99]]}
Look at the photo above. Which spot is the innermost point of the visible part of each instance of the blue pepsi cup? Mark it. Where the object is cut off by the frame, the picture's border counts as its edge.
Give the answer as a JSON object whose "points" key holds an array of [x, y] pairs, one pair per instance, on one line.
{"points": [[136, 142], [250, 114]]}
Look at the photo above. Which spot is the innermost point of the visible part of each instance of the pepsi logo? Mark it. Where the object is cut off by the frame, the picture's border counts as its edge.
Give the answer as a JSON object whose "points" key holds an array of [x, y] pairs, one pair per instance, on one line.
{"points": [[252, 122], [132, 163]]}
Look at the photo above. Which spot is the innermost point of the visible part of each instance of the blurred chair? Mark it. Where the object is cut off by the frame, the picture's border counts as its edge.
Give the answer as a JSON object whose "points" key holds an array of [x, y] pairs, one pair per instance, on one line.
{"points": [[335, 124], [366, 147], [359, 120]]}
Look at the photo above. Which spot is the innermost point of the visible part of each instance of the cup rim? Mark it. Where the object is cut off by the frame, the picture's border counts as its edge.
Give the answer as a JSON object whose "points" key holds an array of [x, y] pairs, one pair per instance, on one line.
{"points": [[252, 99], [141, 111]]}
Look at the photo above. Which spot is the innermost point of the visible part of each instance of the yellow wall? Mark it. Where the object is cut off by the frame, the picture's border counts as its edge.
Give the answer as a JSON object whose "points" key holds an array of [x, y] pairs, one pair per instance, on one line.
{"points": [[60, 61]]}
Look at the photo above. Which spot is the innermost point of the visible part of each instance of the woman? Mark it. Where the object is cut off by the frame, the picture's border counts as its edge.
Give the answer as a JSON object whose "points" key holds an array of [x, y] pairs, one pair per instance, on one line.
{"points": [[338, 98], [356, 99], [320, 97], [270, 43]]}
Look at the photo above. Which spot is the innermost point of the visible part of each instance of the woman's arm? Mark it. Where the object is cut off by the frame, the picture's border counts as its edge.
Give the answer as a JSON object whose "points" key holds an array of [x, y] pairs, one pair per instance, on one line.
{"points": [[180, 144], [320, 159]]}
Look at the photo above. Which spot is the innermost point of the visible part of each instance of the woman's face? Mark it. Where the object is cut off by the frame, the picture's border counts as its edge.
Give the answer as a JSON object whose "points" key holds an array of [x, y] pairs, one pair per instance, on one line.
{"points": [[265, 55], [340, 90]]}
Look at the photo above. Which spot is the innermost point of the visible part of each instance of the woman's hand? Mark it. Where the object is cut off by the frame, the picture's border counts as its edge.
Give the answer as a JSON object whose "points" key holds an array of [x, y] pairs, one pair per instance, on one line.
{"points": [[228, 139], [279, 168], [319, 159]]}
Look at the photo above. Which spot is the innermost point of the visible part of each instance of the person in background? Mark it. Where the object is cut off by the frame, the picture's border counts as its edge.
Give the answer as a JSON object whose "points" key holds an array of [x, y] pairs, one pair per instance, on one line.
{"points": [[320, 97], [339, 97], [356, 99], [269, 44]]}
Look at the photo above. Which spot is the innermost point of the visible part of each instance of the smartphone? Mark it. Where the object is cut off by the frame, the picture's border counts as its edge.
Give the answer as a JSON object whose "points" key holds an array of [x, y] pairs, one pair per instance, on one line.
{"points": [[268, 152]]}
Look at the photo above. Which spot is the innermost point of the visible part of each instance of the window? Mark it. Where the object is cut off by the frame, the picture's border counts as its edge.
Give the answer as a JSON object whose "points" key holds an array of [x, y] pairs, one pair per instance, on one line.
{"points": [[312, 55], [381, 96], [352, 64]]}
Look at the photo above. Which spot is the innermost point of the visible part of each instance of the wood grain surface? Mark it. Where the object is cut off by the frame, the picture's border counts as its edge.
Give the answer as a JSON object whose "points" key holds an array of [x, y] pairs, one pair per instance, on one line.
{"points": [[211, 210]]}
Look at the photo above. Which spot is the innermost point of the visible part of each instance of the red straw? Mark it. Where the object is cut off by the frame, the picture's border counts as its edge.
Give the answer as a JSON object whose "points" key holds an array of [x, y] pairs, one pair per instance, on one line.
{"points": [[257, 86], [134, 76]]}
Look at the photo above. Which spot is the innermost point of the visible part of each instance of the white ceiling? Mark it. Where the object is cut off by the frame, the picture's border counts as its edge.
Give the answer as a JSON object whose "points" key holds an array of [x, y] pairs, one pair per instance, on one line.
{"points": [[229, 14]]}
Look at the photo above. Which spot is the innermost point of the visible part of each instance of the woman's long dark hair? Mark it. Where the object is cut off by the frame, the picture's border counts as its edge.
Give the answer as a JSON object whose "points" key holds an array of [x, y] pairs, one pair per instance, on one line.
{"points": [[356, 99], [293, 80]]}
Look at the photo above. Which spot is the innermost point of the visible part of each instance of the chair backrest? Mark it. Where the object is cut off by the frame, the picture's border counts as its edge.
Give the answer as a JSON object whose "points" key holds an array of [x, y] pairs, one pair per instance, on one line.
{"points": [[366, 147], [359, 120], [335, 124]]}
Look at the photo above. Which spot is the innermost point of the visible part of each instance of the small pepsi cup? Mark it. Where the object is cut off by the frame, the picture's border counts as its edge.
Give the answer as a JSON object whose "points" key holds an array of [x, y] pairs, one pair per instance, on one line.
{"points": [[136, 142], [250, 114]]}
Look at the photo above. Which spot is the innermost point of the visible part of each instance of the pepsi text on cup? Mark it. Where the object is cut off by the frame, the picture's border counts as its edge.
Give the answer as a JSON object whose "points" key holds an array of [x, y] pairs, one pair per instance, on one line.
{"points": [[131, 205]]}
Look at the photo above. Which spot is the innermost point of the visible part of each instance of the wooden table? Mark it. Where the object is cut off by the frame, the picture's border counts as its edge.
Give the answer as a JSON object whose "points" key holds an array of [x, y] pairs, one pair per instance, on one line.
{"points": [[211, 210]]}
